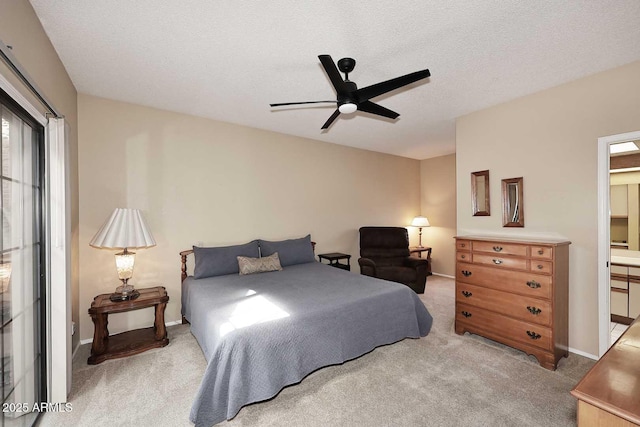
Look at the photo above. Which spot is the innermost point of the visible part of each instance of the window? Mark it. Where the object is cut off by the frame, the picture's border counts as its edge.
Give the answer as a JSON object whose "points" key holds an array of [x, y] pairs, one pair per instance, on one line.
{"points": [[23, 379]]}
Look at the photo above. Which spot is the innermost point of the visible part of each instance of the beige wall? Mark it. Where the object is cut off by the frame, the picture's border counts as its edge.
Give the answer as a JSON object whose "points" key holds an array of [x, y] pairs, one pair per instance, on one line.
{"points": [[550, 139], [438, 204], [20, 28], [200, 181]]}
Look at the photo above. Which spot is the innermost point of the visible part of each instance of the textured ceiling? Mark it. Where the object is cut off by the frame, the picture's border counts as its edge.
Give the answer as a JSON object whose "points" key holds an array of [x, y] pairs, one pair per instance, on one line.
{"points": [[227, 60]]}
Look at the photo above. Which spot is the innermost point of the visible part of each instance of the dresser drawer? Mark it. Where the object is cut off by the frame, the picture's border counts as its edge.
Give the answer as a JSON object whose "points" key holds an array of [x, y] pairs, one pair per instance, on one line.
{"points": [[541, 252], [500, 248], [464, 256], [500, 261], [527, 333], [522, 283], [518, 306], [544, 267], [463, 245]]}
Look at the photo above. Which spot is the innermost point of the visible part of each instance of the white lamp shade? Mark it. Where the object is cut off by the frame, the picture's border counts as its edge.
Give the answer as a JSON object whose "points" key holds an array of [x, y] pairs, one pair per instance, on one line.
{"points": [[125, 228], [420, 221]]}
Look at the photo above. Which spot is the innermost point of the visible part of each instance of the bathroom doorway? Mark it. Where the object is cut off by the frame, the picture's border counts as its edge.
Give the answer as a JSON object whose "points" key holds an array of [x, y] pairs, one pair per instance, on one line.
{"points": [[618, 234]]}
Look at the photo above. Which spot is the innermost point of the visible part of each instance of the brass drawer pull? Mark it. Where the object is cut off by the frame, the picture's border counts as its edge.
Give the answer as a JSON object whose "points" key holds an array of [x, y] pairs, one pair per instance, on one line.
{"points": [[540, 251], [466, 273], [497, 261], [497, 248], [462, 245], [533, 310], [540, 267], [466, 314], [533, 335], [467, 294], [533, 284], [463, 256]]}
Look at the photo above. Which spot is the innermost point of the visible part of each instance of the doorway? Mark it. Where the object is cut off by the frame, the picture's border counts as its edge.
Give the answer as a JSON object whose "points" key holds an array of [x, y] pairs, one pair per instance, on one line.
{"points": [[604, 235]]}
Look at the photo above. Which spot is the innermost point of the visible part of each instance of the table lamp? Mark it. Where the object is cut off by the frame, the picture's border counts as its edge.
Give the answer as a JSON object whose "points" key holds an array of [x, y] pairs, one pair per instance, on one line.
{"points": [[125, 229], [420, 221]]}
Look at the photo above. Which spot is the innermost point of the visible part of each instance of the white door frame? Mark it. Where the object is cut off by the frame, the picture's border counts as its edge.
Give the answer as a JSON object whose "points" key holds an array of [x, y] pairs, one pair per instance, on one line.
{"points": [[604, 239]]}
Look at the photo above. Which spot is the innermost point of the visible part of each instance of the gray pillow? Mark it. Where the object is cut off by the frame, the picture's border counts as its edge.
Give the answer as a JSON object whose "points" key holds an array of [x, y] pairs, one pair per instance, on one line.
{"points": [[291, 252], [223, 260]]}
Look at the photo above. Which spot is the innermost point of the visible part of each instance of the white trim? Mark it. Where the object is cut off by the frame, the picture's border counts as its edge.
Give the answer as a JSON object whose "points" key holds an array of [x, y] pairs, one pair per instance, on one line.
{"points": [[604, 250], [20, 99], [75, 350], [59, 261], [583, 354], [443, 275]]}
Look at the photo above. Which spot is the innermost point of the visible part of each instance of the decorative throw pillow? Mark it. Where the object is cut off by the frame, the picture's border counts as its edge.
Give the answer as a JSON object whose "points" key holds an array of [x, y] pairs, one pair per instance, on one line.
{"points": [[292, 251], [248, 265]]}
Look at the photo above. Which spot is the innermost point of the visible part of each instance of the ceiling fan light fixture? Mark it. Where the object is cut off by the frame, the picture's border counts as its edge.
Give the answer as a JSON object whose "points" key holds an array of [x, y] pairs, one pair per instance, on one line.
{"points": [[348, 108]]}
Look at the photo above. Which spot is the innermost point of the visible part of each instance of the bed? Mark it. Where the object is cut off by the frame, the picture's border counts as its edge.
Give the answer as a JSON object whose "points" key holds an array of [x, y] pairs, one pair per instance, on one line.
{"points": [[262, 332]]}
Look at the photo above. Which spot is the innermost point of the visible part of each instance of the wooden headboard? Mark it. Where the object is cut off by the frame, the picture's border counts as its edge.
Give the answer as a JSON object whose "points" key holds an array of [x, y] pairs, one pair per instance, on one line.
{"points": [[183, 262], [184, 254]]}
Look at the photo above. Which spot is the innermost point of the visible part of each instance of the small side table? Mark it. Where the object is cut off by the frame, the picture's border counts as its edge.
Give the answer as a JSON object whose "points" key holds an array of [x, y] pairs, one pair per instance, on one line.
{"points": [[334, 260], [418, 250], [128, 343]]}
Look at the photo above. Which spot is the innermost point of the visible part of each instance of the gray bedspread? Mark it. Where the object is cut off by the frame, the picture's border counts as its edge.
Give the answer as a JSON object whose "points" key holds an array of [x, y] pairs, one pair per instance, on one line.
{"points": [[262, 332]]}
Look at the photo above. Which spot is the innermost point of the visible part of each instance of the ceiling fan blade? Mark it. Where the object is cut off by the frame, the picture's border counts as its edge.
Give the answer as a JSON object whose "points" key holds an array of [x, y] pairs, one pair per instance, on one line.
{"points": [[366, 93], [299, 103], [370, 107], [333, 73], [331, 119]]}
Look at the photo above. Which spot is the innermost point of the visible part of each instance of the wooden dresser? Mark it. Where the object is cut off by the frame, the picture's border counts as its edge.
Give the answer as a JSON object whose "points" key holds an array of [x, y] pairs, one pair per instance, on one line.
{"points": [[609, 395], [515, 292]]}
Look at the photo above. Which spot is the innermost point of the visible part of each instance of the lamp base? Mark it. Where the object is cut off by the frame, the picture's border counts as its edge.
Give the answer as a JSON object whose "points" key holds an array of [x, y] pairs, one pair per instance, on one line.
{"points": [[121, 296]]}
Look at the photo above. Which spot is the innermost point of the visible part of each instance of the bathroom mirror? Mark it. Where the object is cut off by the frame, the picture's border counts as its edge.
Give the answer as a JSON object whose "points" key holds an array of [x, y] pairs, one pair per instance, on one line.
{"points": [[480, 193], [512, 203]]}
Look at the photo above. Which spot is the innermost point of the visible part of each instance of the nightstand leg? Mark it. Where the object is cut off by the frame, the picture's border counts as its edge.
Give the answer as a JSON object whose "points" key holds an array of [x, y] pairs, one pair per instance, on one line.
{"points": [[159, 327], [100, 334]]}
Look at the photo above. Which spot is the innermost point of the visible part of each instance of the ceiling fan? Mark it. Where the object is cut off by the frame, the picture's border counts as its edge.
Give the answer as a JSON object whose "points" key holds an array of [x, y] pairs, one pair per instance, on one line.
{"points": [[350, 98]]}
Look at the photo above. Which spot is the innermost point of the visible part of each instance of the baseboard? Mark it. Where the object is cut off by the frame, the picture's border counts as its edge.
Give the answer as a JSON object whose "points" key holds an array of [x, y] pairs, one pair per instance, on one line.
{"points": [[90, 340], [582, 353], [444, 275], [75, 350]]}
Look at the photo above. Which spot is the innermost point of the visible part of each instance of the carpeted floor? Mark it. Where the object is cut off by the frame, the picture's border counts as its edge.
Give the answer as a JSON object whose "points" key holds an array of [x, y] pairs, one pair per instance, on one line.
{"points": [[440, 380]]}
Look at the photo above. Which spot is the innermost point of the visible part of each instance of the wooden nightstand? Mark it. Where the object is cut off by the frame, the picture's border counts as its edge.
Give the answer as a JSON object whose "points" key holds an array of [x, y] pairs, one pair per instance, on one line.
{"points": [[106, 347], [334, 258], [418, 250]]}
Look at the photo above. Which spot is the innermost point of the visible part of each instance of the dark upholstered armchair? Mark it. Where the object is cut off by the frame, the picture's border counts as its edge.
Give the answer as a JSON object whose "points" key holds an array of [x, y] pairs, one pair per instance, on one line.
{"points": [[385, 254]]}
